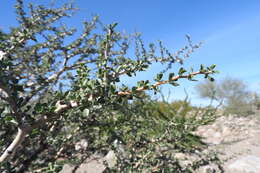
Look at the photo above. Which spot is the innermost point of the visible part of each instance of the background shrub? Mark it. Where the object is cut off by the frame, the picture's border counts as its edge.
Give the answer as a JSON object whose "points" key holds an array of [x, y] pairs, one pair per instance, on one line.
{"points": [[233, 92]]}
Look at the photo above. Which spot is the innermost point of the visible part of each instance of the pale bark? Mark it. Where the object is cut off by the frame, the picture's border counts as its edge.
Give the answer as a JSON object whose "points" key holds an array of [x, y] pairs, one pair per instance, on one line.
{"points": [[25, 130], [22, 132]]}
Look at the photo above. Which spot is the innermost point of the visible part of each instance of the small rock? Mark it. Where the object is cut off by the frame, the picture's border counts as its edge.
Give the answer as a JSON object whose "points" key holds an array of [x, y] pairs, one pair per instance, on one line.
{"points": [[110, 158], [209, 169], [180, 156], [81, 145], [248, 164], [94, 167], [67, 168]]}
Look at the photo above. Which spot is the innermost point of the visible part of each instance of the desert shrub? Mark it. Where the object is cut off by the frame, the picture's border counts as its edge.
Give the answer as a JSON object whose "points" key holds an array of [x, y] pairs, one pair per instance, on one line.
{"points": [[183, 107], [233, 92], [256, 101], [56, 89], [153, 144], [162, 108]]}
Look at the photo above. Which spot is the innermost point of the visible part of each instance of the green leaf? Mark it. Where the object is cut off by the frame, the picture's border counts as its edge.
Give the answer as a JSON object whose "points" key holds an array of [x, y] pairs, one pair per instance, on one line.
{"points": [[216, 71], [201, 67], [85, 82], [129, 74], [34, 132], [174, 83], [190, 78], [171, 75], [140, 83], [144, 66], [8, 118], [181, 71], [211, 79], [124, 88], [158, 77], [146, 82], [112, 89], [134, 88], [6, 111], [212, 66], [112, 26]]}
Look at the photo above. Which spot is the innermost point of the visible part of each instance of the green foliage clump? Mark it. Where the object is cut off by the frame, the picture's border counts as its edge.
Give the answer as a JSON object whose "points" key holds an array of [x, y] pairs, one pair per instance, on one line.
{"points": [[151, 141], [56, 89], [161, 108]]}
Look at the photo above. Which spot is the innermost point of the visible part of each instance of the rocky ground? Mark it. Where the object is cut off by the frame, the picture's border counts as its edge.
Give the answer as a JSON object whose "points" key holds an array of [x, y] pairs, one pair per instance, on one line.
{"points": [[236, 139]]}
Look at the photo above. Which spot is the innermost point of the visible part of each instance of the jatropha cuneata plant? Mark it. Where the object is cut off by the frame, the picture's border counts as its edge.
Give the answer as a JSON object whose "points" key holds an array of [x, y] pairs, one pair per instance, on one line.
{"points": [[53, 83]]}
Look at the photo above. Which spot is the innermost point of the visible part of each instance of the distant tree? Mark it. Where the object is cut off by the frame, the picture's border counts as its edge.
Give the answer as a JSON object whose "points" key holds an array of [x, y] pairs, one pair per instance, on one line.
{"points": [[55, 89], [208, 89], [256, 100], [232, 91]]}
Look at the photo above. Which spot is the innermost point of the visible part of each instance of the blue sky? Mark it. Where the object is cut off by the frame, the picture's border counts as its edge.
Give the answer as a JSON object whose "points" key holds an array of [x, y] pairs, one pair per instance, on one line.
{"points": [[230, 30]]}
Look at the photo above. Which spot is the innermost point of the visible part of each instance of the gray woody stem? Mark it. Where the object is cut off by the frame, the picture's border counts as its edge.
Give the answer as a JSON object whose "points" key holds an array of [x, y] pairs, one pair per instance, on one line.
{"points": [[25, 130], [22, 132]]}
